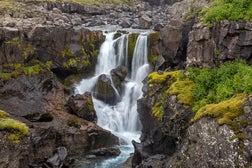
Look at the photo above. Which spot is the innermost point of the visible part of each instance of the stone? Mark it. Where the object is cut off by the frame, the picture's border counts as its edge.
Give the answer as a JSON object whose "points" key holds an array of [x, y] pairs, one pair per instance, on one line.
{"points": [[82, 106], [145, 22], [118, 75], [113, 151], [58, 158], [105, 91]]}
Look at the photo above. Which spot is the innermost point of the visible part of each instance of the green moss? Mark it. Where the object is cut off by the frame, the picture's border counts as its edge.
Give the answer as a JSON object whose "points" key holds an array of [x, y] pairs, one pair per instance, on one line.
{"points": [[153, 39], [67, 52], [76, 122], [183, 89], [3, 114], [225, 111], [131, 43], [160, 77], [172, 81], [29, 70], [16, 128], [73, 62]]}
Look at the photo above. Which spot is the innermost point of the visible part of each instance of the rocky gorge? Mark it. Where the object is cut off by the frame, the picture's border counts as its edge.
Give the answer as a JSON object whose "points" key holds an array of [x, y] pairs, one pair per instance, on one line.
{"points": [[48, 46]]}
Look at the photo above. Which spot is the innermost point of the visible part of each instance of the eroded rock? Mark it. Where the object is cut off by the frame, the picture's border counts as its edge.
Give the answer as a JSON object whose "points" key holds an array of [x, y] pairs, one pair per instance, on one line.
{"points": [[82, 106]]}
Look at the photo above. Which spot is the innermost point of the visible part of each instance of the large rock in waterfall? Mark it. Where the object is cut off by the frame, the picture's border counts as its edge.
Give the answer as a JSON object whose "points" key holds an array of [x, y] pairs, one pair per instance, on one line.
{"points": [[105, 91], [82, 106], [118, 75]]}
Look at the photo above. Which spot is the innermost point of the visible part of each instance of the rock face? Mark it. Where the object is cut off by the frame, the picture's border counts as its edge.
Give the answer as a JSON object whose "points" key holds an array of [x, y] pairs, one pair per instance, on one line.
{"points": [[225, 41], [66, 50], [82, 106], [159, 139], [173, 43]]}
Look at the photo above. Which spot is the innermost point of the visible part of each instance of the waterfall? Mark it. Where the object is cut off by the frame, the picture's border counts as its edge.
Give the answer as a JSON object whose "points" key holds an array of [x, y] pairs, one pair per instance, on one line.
{"points": [[122, 118]]}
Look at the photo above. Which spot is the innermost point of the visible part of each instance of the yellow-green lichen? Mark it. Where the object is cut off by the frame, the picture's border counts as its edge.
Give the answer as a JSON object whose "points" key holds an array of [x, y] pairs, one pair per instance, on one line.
{"points": [[160, 77], [16, 128], [166, 79], [225, 111]]}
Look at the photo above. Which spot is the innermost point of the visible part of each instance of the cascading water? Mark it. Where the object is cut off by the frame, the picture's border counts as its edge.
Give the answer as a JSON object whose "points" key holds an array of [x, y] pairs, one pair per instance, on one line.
{"points": [[122, 118]]}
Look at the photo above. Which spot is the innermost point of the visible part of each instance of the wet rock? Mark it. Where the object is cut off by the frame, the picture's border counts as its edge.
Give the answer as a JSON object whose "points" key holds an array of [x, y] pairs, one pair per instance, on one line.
{"points": [[113, 151], [82, 106], [105, 91], [56, 161], [118, 75]]}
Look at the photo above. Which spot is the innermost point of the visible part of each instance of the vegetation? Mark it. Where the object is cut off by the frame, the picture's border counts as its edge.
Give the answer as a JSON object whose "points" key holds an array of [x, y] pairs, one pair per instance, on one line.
{"points": [[76, 122], [164, 79], [16, 70], [226, 111], [16, 128], [219, 84], [233, 10], [218, 92]]}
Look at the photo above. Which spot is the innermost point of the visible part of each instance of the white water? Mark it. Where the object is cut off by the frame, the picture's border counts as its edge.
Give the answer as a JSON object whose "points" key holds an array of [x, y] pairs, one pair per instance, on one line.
{"points": [[121, 119]]}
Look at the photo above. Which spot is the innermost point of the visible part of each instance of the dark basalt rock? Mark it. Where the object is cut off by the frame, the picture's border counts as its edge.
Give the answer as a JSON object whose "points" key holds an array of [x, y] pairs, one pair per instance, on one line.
{"points": [[82, 106], [225, 41], [104, 90], [118, 75], [113, 151], [173, 44]]}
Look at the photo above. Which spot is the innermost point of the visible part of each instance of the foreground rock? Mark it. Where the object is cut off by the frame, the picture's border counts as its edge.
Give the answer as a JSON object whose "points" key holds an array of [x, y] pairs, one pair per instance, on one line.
{"points": [[82, 106], [21, 99]]}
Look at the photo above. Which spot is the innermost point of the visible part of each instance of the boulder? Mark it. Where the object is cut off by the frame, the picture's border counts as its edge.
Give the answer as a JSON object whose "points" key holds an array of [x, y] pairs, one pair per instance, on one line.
{"points": [[82, 106], [118, 75], [56, 161], [145, 22], [105, 91]]}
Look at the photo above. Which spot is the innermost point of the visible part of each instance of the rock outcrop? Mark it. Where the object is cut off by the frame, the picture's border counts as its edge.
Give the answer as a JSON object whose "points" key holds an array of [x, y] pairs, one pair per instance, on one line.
{"points": [[82, 106], [170, 138], [225, 41]]}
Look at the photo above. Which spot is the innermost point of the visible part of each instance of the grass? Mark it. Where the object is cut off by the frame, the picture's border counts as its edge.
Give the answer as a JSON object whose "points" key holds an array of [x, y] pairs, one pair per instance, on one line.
{"points": [[16, 128], [233, 10]]}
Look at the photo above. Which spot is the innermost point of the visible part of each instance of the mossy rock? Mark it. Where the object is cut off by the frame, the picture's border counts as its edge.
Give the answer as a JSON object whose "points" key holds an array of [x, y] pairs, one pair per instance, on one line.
{"points": [[16, 129], [153, 52]]}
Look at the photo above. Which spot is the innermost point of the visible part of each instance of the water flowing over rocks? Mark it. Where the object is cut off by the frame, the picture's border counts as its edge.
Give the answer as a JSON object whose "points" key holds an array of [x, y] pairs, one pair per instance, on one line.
{"points": [[43, 43]]}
